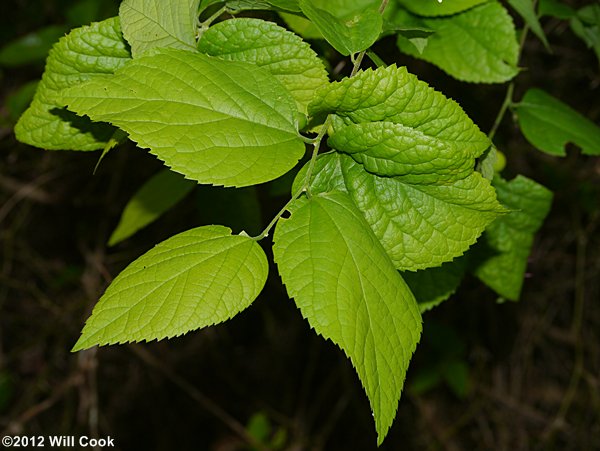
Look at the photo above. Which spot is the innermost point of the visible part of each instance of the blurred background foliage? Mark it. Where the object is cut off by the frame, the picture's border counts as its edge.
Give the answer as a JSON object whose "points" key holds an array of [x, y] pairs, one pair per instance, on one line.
{"points": [[515, 376]]}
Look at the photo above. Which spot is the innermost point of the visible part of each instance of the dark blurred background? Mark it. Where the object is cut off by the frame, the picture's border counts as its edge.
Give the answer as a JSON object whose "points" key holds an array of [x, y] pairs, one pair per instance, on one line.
{"points": [[486, 376]]}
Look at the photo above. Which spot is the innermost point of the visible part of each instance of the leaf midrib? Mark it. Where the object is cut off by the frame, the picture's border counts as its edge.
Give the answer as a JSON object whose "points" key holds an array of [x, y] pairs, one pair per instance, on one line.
{"points": [[363, 291]]}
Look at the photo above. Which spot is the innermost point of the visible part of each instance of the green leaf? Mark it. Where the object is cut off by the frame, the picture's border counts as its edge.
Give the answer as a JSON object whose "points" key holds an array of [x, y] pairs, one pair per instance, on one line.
{"points": [[555, 8], [82, 12], [456, 375], [301, 26], [549, 124], [486, 164], [194, 279], [419, 225], [391, 94], [219, 122], [430, 206], [149, 24], [341, 9], [395, 124], [117, 138], [351, 33], [479, 45], [345, 8], [508, 240], [17, 102], [433, 8], [238, 6], [347, 288], [154, 198], [390, 149], [586, 24], [86, 53], [491, 162], [286, 5], [31, 48], [417, 37], [266, 44], [259, 427], [526, 10], [205, 4], [433, 286]]}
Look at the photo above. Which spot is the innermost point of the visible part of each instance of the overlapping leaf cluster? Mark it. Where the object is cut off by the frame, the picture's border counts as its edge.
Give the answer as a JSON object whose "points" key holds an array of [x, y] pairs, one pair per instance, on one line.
{"points": [[379, 227]]}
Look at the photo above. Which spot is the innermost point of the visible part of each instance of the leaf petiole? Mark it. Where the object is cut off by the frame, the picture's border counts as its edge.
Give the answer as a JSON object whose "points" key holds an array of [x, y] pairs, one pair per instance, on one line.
{"points": [[508, 99], [313, 157], [376, 58], [207, 23], [305, 188]]}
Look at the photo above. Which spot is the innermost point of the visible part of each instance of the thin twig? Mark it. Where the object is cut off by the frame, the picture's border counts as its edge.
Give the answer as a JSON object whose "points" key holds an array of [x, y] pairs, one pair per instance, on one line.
{"points": [[313, 157], [508, 100], [357, 63], [505, 104]]}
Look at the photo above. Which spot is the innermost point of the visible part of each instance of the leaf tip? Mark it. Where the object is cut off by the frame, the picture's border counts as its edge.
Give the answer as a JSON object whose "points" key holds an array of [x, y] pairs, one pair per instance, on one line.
{"points": [[81, 345], [113, 240]]}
